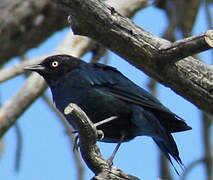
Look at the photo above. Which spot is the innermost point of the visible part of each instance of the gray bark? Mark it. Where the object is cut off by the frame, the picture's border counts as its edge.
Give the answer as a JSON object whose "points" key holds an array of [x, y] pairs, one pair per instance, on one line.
{"points": [[25, 24]]}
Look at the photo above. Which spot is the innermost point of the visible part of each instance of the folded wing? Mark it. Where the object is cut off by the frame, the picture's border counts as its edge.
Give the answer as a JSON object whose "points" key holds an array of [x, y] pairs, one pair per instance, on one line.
{"points": [[109, 79]]}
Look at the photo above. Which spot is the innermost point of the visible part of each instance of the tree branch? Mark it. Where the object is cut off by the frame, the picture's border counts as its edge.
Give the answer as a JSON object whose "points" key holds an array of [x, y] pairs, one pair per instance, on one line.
{"points": [[18, 148], [207, 121], [188, 46], [188, 77], [25, 24], [192, 165], [74, 45], [89, 150], [17, 69], [20, 101]]}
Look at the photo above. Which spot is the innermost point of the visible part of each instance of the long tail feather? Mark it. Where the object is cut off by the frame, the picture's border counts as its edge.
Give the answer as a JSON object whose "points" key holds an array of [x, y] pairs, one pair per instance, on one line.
{"points": [[169, 148]]}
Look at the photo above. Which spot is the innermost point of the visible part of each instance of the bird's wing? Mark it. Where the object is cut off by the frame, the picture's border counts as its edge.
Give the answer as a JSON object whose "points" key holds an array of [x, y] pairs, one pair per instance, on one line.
{"points": [[142, 99], [109, 79]]}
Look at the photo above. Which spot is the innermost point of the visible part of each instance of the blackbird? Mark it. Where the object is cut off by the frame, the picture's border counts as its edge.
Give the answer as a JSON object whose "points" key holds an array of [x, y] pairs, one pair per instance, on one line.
{"points": [[101, 91]]}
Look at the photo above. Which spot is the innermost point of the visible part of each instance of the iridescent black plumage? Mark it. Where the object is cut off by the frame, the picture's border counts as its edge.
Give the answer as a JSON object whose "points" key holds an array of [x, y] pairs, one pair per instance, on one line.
{"points": [[102, 91]]}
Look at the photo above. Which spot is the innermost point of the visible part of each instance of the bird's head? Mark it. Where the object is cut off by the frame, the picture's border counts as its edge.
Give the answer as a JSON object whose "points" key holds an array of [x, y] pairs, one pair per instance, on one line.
{"points": [[54, 67]]}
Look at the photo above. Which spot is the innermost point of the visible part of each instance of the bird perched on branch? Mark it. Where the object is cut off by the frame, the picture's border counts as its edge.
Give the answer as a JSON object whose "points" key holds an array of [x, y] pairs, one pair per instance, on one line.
{"points": [[102, 92]]}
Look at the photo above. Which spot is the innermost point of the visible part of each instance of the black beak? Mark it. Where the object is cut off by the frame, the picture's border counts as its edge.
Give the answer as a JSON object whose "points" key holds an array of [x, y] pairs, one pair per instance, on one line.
{"points": [[36, 68]]}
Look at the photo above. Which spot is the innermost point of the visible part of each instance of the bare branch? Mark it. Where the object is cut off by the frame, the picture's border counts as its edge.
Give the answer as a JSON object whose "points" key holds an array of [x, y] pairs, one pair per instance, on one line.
{"points": [[182, 15], [189, 77], [72, 44], [75, 45], [189, 46], [17, 69], [207, 122], [20, 101], [18, 148], [2, 146], [207, 4], [192, 165], [89, 150], [25, 24]]}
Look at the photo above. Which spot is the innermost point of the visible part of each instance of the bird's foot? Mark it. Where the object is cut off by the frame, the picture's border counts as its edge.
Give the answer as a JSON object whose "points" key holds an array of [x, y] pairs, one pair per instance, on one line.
{"points": [[76, 143], [110, 162], [100, 134], [74, 132]]}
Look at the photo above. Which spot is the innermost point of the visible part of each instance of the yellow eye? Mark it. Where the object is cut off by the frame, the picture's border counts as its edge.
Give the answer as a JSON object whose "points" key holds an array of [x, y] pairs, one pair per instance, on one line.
{"points": [[55, 64]]}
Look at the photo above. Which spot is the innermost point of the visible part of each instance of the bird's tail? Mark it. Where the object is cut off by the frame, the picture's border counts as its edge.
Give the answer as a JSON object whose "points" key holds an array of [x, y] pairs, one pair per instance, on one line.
{"points": [[169, 148], [149, 125]]}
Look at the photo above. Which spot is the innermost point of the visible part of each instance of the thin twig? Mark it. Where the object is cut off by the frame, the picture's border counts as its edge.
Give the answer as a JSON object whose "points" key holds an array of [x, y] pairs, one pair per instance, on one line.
{"points": [[191, 166], [18, 148], [207, 122], [17, 69], [25, 96], [1, 146], [208, 13], [209, 16]]}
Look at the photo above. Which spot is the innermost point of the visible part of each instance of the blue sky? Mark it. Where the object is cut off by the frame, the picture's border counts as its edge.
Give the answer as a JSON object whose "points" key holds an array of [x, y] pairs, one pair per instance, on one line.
{"points": [[46, 150]]}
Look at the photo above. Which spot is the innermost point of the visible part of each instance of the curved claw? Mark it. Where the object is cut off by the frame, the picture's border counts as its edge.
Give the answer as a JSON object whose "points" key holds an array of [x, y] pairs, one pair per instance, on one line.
{"points": [[74, 132], [110, 162], [76, 143], [100, 134]]}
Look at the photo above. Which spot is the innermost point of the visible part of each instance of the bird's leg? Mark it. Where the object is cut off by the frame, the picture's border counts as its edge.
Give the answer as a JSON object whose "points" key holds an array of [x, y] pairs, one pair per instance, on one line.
{"points": [[76, 141], [105, 121], [110, 160], [100, 122], [99, 132]]}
